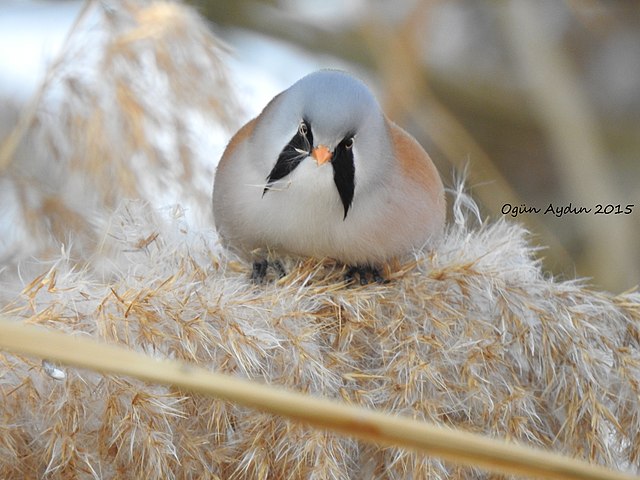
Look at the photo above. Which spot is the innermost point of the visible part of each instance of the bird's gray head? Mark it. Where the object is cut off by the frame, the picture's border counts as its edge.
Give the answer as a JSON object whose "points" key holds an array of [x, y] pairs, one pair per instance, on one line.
{"points": [[335, 104], [329, 109]]}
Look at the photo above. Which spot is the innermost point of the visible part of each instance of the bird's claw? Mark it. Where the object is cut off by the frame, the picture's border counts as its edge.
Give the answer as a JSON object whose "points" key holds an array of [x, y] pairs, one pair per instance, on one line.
{"points": [[261, 267], [364, 272]]}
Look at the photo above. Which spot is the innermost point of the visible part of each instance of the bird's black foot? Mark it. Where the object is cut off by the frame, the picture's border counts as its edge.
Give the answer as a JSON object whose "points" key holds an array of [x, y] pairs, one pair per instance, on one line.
{"points": [[261, 269], [363, 273]]}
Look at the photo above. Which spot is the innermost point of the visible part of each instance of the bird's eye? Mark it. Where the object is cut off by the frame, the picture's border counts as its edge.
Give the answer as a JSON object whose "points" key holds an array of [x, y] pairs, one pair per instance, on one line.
{"points": [[348, 143], [303, 129]]}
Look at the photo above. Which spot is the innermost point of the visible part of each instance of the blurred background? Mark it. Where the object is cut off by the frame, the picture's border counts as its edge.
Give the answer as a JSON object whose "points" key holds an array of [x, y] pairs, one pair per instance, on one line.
{"points": [[538, 101]]}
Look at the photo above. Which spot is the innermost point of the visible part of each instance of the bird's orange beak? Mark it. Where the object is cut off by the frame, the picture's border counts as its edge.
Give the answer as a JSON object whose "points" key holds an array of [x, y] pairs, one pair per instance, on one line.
{"points": [[321, 154]]}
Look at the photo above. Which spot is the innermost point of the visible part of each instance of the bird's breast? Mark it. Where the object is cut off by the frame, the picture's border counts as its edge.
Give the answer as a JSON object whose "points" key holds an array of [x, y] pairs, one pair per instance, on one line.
{"points": [[303, 205]]}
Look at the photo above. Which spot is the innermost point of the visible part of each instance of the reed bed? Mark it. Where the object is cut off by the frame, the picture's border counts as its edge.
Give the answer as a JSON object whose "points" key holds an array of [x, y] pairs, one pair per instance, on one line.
{"points": [[472, 335]]}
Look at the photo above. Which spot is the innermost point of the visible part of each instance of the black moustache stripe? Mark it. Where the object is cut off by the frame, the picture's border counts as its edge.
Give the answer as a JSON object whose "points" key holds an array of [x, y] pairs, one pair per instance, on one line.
{"points": [[298, 148], [344, 173]]}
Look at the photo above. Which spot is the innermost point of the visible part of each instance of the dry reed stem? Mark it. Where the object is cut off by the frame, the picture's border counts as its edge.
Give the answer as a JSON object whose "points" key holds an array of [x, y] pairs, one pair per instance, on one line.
{"points": [[456, 446]]}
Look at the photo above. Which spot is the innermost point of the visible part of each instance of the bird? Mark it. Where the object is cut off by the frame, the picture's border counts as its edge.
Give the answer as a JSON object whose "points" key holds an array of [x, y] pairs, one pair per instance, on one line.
{"points": [[322, 172]]}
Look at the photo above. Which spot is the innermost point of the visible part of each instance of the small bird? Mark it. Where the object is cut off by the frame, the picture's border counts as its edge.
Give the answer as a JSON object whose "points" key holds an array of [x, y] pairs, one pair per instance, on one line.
{"points": [[322, 172]]}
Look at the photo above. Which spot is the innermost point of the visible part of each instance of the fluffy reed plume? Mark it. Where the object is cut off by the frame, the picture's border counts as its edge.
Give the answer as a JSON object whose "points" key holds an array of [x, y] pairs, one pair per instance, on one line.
{"points": [[125, 112], [471, 335]]}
